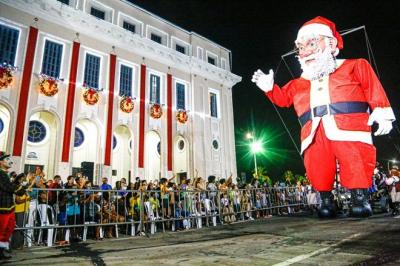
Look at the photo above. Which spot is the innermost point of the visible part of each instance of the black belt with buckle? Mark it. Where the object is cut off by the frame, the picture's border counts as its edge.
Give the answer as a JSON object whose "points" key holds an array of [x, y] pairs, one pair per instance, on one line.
{"points": [[334, 108]]}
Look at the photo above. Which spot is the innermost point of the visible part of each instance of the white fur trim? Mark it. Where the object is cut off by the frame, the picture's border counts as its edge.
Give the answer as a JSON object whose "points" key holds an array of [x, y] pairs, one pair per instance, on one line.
{"points": [[383, 113], [332, 132], [4, 245], [314, 29], [307, 141]]}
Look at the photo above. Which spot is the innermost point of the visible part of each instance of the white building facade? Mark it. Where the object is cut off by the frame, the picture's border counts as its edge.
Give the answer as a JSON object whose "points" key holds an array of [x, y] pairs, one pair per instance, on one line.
{"points": [[105, 86]]}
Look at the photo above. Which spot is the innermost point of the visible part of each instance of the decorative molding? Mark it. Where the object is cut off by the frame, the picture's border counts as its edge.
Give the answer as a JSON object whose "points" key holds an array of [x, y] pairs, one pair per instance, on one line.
{"points": [[82, 22]]}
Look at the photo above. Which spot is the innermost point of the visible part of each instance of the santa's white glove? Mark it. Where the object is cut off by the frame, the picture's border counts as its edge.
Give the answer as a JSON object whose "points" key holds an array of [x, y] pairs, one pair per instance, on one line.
{"points": [[264, 81], [384, 120]]}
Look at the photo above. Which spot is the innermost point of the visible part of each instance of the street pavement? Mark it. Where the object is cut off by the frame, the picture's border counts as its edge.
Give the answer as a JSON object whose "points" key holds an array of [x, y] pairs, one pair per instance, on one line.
{"points": [[284, 240]]}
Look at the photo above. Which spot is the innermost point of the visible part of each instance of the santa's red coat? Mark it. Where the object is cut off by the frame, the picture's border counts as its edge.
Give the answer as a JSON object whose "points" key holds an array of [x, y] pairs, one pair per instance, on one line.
{"points": [[353, 81]]}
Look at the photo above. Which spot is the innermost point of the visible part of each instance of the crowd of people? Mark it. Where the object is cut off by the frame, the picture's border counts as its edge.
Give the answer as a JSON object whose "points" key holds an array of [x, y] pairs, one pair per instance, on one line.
{"points": [[48, 210], [80, 209]]}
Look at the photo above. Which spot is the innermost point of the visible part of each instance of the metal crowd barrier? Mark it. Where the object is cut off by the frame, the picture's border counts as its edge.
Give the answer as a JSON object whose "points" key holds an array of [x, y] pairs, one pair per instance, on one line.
{"points": [[57, 216]]}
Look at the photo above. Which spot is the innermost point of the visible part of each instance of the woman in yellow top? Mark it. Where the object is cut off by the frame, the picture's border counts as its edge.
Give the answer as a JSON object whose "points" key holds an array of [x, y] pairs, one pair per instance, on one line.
{"points": [[21, 214], [134, 206]]}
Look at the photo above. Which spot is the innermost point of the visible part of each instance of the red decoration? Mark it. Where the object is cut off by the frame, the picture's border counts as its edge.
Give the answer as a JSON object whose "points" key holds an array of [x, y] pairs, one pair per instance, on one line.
{"points": [[127, 104], [182, 116], [156, 111], [6, 77], [90, 95], [48, 85]]}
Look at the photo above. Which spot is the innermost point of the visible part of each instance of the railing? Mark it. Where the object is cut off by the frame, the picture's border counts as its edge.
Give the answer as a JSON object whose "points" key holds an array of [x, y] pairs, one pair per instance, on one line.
{"points": [[63, 215]]}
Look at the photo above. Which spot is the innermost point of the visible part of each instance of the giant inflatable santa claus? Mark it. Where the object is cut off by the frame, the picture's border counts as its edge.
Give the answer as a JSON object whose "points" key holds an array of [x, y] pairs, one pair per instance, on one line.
{"points": [[336, 101]]}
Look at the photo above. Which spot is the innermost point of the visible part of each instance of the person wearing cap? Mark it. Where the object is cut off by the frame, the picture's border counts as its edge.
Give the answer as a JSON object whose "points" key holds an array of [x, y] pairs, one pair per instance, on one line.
{"points": [[336, 101], [7, 204]]}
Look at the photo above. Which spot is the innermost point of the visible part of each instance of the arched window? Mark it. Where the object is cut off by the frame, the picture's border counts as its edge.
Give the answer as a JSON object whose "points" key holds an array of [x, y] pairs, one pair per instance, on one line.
{"points": [[79, 137], [37, 131]]}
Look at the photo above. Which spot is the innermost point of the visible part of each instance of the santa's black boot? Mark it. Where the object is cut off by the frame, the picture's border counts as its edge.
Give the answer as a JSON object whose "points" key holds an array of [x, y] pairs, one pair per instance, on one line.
{"points": [[328, 207], [360, 205], [4, 256]]}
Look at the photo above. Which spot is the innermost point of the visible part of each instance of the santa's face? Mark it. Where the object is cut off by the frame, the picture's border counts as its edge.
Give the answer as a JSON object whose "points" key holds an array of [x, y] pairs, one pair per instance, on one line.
{"points": [[315, 56]]}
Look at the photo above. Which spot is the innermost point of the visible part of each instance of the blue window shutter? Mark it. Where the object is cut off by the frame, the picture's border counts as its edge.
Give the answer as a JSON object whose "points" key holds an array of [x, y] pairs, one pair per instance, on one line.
{"points": [[180, 96], [52, 55], [8, 44], [213, 105], [92, 71], [125, 88], [155, 88]]}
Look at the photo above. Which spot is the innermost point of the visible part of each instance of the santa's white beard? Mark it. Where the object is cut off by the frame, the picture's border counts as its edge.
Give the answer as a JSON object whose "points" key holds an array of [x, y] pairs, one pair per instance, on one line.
{"points": [[324, 63]]}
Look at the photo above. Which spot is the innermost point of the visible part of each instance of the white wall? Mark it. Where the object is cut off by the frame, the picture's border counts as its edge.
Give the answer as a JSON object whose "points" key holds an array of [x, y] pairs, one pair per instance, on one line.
{"points": [[122, 156], [89, 149]]}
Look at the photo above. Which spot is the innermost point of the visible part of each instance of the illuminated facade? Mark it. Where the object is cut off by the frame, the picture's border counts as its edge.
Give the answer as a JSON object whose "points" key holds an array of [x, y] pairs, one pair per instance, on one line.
{"points": [[107, 85]]}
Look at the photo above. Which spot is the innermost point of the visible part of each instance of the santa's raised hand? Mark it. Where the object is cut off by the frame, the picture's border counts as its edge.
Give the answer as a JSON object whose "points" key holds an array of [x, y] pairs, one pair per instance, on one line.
{"points": [[264, 81]]}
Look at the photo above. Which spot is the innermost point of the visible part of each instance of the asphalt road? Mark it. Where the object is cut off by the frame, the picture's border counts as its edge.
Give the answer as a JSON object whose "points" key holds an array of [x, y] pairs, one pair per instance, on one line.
{"points": [[273, 241]]}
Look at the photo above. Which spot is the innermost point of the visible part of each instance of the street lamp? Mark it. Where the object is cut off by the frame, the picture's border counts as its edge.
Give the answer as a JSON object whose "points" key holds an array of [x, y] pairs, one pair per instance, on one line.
{"points": [[256, 147]]}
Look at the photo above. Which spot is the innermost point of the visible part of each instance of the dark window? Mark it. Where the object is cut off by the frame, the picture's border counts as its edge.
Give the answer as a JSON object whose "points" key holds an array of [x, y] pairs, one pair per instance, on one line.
{"points": [[52, 59], [211, 60], [64, 1], [180, 96], [92, 71], [215, 144], [181, 145], [37, 131], [125, 81], [8, 44], [97, 13], [154, 89], [114, 142], [79, 137], [213, 105], [180, 49], [155, 38], [129, 26], [1, 125], [159, 148]]}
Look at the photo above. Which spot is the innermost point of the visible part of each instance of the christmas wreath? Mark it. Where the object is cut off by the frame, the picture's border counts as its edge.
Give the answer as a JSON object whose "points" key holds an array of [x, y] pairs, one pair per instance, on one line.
{"points": [[6, 75], [48, 85], [156, 111], [126, 104], [182, 116], [90, 95]]}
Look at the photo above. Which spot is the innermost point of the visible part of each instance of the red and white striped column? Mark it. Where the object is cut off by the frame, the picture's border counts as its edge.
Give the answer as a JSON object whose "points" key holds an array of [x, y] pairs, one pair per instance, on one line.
{"points": [[109, 124], [24, 92], [142, 115], [69, 111]]}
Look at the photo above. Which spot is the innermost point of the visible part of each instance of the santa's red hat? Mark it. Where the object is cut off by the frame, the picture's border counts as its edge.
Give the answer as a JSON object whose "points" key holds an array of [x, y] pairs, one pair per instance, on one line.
{"points": [[320, 26]]}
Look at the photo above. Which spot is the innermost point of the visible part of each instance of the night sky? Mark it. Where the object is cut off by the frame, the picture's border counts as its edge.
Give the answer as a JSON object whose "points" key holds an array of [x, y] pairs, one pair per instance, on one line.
{"points": [[259, 32]]}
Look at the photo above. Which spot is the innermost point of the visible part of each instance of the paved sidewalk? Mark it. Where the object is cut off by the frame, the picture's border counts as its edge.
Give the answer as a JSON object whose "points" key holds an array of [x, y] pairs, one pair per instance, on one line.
{"points": [[277, 240]]}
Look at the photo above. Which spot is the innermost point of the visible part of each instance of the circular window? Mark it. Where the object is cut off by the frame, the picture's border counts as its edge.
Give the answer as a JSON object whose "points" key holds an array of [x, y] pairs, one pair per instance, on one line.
{"points": [[114, 142], [37, 131], [215, 144], [79, 137], [1, 125], [159, 148], [181, 145]]}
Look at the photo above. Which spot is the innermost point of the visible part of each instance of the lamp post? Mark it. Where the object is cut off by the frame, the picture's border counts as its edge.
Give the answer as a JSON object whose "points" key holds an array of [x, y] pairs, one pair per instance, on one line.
{"points": [[255, 148]]}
